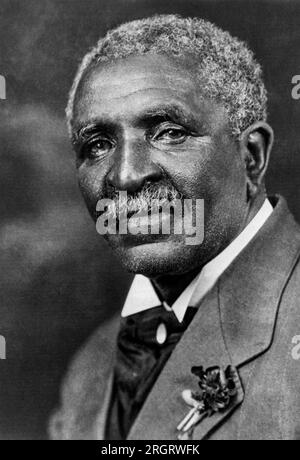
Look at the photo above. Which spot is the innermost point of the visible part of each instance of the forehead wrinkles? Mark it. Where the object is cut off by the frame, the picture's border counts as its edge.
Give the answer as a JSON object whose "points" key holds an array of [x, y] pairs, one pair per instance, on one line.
{"points": [[130, 95], [136, 73], [124, 86]]}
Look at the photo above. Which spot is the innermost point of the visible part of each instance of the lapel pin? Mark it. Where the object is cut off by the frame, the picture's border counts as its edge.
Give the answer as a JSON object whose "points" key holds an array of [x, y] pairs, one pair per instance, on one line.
{"points": [[217, 389]]}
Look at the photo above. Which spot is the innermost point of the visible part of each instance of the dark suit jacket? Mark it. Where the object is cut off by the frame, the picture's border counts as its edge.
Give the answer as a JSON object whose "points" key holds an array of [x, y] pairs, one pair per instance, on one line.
{"points": [[249, 320]]}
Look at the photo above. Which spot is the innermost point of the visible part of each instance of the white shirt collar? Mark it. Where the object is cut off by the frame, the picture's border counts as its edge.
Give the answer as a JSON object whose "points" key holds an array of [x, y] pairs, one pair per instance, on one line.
{"points": [[142, 295]]}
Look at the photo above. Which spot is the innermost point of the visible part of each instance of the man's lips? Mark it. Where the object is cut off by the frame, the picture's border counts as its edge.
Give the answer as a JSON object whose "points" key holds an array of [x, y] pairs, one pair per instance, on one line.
{"points": [[146, 229], [155, 220]]}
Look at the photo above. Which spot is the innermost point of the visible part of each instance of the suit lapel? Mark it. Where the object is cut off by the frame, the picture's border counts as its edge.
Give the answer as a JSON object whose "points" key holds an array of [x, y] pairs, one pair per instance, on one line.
{"points": [[250, 290], [202, 344], [234, 325]]}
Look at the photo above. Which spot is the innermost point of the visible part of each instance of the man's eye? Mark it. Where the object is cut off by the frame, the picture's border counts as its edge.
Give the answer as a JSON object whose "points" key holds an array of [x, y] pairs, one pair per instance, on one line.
{"points": [[98, 148], [171, 135]]}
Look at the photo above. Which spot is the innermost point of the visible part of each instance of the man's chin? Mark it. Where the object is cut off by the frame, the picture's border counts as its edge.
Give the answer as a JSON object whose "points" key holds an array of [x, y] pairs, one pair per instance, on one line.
{"points": [[161, 256]]}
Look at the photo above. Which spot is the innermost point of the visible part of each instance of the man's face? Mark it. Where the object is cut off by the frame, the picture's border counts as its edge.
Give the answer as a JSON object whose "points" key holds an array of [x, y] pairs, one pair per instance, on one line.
{"points": [[142, 120]]}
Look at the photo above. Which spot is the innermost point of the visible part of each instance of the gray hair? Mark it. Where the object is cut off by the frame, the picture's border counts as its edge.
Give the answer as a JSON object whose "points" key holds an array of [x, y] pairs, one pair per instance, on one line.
{"points": [[228, 70]]}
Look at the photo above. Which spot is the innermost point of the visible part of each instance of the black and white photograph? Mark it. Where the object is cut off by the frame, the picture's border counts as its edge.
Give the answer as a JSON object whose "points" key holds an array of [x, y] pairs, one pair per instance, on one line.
{"points": [[149, 222]]}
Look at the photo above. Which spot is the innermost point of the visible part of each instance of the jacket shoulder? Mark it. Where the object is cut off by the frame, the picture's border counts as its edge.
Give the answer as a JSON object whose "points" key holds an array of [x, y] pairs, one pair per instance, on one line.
{"points": [[85, 381]]}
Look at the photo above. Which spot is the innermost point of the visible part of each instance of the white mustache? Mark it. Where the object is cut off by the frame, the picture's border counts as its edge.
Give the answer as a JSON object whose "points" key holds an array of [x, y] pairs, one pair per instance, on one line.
{"points": [[142, 201]]}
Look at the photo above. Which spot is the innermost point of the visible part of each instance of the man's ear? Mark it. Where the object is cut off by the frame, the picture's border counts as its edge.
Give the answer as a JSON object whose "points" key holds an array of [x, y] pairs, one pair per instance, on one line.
{"points": [[255, 145]]}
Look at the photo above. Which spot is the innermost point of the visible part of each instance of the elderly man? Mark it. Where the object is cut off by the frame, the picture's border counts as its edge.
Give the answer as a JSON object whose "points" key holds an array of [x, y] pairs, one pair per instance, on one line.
{"points": [[175, 108]]}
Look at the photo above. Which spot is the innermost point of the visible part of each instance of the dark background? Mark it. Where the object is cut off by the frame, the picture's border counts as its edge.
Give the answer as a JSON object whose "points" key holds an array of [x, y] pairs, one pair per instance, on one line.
{"points": [[58, 280]]}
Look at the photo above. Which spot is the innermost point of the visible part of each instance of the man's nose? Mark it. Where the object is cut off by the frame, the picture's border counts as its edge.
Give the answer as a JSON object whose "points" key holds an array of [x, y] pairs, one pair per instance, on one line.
{"points": [[132, 167]]}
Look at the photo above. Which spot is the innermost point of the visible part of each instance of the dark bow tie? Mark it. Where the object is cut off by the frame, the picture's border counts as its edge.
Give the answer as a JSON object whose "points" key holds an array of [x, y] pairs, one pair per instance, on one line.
{"points": [[145, 342]]}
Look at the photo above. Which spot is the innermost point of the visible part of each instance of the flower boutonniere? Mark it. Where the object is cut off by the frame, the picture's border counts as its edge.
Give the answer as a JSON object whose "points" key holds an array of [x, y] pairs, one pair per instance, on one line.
{"points": [[217, 389]]}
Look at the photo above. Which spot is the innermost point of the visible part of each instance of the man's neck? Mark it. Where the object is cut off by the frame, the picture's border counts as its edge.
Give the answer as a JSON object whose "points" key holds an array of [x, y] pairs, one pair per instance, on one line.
{"points": [[169, 287], [253, 209]]}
